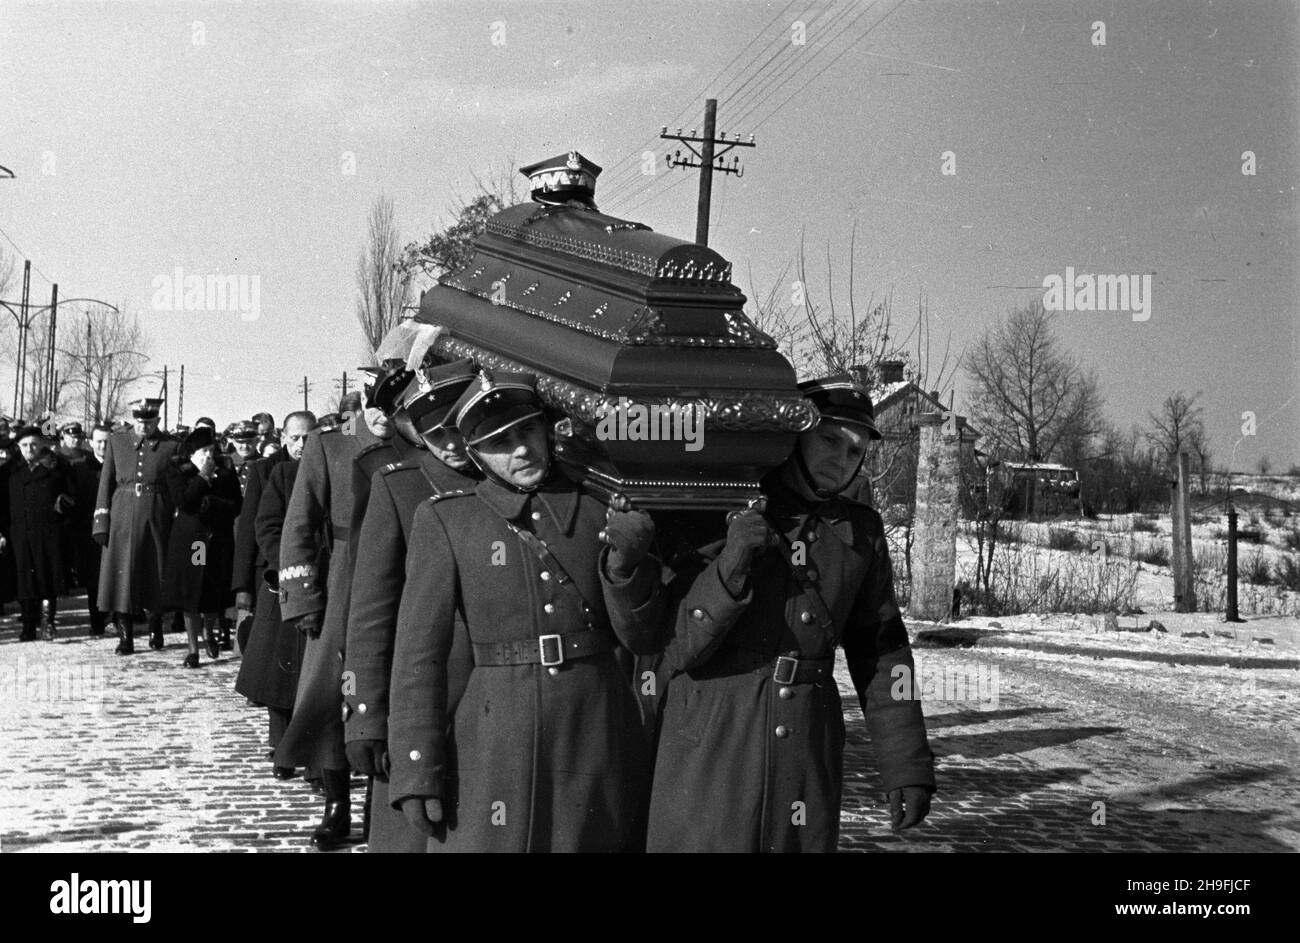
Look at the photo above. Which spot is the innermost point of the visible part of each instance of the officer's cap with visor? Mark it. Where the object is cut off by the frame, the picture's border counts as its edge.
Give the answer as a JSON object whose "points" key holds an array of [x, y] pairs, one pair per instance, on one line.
{"points": [[146, 408], [391, 381], [495, 402], [429, 401], [245, 430], [838, 398]]}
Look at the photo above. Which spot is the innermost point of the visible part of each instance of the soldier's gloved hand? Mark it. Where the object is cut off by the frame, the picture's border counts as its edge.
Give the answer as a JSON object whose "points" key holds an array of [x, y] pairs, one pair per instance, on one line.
{"points": [[101, 539], [63, 502], [917, 801], [309, 625], [368, 757], [748, 533], [243, 602], [630, 535], [423, 814]]}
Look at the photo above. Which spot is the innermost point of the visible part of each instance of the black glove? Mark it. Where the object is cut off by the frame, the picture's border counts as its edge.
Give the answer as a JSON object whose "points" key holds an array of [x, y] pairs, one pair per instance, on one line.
{"points": [[629, 534], [917, 799], [423, 814], [748, 533], [368, 757], [309, 625], [101, 539]]}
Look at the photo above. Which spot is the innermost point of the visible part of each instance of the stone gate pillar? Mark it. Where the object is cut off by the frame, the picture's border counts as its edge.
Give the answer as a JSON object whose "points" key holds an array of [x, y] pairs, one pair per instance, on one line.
{"points": [[934, 543]]}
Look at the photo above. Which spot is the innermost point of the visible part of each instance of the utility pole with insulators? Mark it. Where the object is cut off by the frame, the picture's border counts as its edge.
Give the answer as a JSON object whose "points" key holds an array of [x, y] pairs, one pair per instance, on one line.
{"points": [[166, 400], [180, 399], [708, 159], [305, 388]]}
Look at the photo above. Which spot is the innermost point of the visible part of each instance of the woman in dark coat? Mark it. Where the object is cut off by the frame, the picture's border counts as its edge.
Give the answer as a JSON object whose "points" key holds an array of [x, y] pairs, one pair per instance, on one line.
{"points": [[201, 545], [38, 495]]}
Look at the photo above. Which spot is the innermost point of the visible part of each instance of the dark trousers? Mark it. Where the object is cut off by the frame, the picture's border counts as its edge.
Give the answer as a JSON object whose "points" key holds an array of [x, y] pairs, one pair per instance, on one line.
{"points": [[31, 611]]}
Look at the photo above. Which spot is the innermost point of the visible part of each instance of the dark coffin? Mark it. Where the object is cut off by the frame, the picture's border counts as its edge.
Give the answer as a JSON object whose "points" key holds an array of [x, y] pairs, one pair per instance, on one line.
{"points": [[607, 313]]}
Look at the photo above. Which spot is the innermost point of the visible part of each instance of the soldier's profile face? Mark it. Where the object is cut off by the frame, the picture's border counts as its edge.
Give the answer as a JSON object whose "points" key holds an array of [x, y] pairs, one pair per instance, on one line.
{"points": [[378, 423], [833, 451], [447, 446], [99, 443], [518, 454]]}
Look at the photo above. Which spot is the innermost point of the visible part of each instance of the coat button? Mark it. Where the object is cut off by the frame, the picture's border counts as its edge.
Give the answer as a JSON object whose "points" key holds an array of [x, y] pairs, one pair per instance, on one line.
{"points": [[552, 671], [545, 574], [415, 754], [781, 731], [548, 608], [785, 693], [812, 574], [537, 515], [361, 708], [697, 614], [805, 617]]}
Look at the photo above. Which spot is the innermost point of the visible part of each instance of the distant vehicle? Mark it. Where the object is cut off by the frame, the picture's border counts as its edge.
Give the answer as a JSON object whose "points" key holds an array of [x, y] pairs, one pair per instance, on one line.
{"points": [[1038, 489]]}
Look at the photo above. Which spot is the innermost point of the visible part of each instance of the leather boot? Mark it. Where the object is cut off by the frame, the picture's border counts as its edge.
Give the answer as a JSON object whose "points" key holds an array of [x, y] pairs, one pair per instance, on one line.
{"points": [[125, 636], [334, 825], [227, 643], [155, 632]]}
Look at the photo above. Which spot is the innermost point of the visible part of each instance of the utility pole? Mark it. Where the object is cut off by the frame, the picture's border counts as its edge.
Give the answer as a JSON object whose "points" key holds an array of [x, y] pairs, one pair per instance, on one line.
{"points": [[49, 354], [345, 384], [305, 388], [708, 160], [180, 401], [85, 401], [20, 375]]}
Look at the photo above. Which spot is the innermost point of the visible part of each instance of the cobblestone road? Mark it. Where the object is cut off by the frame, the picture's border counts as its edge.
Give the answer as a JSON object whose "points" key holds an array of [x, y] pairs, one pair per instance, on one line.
{"points": [[103, 753]]}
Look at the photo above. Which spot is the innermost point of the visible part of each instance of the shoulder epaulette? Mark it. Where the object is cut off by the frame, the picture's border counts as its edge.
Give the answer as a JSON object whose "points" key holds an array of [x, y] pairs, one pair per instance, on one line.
{"points": [[397, 466], [443, 495]]}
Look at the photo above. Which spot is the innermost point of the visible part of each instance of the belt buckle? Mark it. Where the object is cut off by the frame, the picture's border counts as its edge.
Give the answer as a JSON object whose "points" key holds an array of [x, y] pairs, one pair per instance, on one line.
{"points": [[558, 642], [781, 677], [137, 489]]}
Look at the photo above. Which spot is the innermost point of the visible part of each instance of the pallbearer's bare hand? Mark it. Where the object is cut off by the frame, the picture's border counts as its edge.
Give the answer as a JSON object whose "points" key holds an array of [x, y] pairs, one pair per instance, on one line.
{"points": [[422, 814], [630, 534], [908, 806]]}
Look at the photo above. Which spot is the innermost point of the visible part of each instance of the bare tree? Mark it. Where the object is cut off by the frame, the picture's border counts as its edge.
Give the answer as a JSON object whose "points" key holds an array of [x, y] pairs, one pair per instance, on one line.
{"points": [[1030, 397], [1178, 420], [451, 244], [382, 285], [104, 354]]}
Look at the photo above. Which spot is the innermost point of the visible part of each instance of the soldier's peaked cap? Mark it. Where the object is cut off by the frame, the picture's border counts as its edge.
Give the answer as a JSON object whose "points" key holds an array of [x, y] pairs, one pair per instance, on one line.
{"points": [[495, 402], [73, 427], [146, 408], [430, 399], [842, 399], [564, 177], [390, 384], [243, 430]]}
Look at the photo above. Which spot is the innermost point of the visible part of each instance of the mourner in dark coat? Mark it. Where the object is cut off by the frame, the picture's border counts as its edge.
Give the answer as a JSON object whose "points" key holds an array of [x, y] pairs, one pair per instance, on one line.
{"points": [[751, 739], [133, 515], [84, 550], [529, 740], [334, 478], [201, 546], [38, 497], [380, 544], [272, 655]]}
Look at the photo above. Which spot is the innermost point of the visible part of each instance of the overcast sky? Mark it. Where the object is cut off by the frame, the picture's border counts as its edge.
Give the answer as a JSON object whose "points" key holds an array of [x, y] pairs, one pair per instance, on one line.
{"points": [[218, 138]]}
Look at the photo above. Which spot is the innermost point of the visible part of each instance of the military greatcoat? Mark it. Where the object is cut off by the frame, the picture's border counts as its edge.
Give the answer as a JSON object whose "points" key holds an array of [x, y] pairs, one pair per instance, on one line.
{"points": [[525, 756], [85, 552], [750, 753], [135, 511], [395, 492], [320, 518], [268, 673]]}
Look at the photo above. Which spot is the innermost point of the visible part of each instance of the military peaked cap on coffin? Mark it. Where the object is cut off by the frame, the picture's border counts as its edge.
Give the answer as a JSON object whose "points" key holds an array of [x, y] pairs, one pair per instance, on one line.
{"points": [[609, 315], [562, 178], [429, 400], [146, 408], [495, 402], [842, 399]]}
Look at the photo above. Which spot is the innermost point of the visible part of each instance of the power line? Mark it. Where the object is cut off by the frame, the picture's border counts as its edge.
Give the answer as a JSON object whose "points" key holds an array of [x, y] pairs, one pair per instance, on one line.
{"points": [[23, 255]]}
